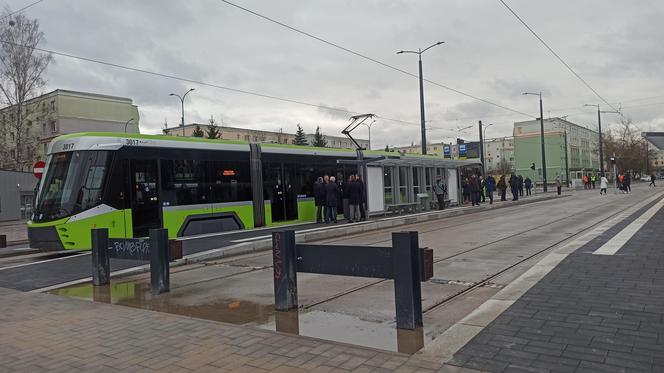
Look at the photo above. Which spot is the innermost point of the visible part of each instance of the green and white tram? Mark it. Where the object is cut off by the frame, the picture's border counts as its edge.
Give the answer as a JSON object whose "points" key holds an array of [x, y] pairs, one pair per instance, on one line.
{"points": [[131, 183]]}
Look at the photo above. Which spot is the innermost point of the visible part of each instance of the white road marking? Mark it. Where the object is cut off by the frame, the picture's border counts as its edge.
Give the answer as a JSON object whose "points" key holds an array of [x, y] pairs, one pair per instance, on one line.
{"points": [[43, 261], [620, 239]]}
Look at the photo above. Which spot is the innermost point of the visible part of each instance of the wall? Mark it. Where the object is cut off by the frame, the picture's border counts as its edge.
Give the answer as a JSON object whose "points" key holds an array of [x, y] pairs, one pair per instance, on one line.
{"points": [[12, 186]]}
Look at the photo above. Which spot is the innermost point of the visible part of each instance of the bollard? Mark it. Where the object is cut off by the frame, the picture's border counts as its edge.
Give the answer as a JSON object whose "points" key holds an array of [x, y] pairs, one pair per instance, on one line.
{"points": [[159, 268], [407, 277], [101, 273], [284, 258]]}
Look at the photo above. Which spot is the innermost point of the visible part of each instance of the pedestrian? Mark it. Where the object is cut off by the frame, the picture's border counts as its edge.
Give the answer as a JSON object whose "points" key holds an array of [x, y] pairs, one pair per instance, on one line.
{"points": [[319, 198], [482, 186], [520, 185], [514, 187], [585, 181], [628, 182], [559, 186], [652, 181], [331, 200], [603, 184], [490, 187], [528, 184], [345, 197], [354, 199], [502, 186], [440, 189], [474, 189], [593, 180], [363, 195], [620, 179], [465, 191]]}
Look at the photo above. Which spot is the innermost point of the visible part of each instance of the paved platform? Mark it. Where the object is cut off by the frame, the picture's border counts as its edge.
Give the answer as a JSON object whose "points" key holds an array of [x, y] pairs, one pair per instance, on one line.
{"points": [[43, 332], [600, 310]]}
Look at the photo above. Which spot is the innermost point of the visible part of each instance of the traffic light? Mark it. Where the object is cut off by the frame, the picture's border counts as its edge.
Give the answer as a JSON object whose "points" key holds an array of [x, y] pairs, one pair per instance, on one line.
{"points": [[532, 166]]}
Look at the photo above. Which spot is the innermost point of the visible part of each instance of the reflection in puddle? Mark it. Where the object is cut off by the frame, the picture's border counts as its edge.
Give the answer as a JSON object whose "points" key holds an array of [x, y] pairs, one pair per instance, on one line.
{"points": [[312, 323]]}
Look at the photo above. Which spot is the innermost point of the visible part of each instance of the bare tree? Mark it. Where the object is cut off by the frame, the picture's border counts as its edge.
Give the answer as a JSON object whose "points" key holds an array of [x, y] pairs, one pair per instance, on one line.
{"points": [[625, 141], [21, 70]]}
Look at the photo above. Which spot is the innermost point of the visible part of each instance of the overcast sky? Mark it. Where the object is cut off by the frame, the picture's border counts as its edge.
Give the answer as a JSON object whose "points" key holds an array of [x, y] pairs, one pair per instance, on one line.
{"points": [[614, 45]]}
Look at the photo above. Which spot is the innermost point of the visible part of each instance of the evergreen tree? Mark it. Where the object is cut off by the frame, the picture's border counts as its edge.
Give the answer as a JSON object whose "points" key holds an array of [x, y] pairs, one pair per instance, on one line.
{"points": [[213, 131], [319, 139], [387, 148], [198, 132], [300, 138]]}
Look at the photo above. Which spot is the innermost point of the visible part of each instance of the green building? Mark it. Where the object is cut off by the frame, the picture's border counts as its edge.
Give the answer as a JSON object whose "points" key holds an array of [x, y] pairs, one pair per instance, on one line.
{"points": [[564, 141], [57, 113]]}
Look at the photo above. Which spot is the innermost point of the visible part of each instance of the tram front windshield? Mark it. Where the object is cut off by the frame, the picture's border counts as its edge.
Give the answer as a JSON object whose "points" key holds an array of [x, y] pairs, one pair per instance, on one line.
{"points": [[73, 183]]}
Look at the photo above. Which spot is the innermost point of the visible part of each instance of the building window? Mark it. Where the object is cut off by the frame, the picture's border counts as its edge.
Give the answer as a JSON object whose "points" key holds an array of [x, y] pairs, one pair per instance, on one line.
{"points": [[11, 134], [44, 128], [53, 105], [54, 126]]}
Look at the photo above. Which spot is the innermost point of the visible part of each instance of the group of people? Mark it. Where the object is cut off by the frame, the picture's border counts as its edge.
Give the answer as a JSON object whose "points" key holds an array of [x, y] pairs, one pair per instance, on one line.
{"points": [[330, 194], [589, 181], [625, 182], [476, 189]]}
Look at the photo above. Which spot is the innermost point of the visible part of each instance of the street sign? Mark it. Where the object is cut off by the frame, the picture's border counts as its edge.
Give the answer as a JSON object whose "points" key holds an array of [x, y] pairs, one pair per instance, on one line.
{"points": [[462, 150], [447, 151], [38, 169]]}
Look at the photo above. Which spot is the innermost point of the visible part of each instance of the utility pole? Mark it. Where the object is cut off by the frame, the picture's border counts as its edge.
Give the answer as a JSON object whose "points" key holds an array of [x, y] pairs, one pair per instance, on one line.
{"points": [[566, 161], [601, 139], [544, 181], [182, 102], [482, 151], [422, 121]]}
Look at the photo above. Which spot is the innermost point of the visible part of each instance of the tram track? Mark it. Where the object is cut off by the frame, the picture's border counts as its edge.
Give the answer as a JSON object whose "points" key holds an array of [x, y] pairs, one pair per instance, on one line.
{"points": [[491, 277]]}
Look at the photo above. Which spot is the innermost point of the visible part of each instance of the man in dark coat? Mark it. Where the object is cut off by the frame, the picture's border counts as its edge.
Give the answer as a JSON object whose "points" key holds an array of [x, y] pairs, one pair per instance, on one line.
{"points": [[514, 186], [354, 199], [474, 189], [331, 197], [319, 198], [520, 185], [529, 185], [502, 185], [490, 183], [363, 194]]}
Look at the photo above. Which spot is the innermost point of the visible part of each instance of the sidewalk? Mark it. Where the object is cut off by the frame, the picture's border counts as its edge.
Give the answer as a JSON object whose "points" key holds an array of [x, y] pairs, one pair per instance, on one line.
{"points": [[42, 332], [591, 313], [16, 231]]}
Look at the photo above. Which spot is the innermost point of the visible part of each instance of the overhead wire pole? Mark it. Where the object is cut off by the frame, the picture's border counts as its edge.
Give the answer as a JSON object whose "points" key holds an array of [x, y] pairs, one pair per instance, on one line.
{"points": [[422, 120], [544, 180]]}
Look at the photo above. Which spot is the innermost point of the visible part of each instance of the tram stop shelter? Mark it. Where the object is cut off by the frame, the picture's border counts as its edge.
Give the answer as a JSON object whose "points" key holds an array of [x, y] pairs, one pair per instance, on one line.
{"points": [[403, 179]]}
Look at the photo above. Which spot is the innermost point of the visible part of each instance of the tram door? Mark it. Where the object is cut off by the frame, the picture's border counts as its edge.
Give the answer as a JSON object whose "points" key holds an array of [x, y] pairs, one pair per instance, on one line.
{"points": [[144, 196], [279, 179]]}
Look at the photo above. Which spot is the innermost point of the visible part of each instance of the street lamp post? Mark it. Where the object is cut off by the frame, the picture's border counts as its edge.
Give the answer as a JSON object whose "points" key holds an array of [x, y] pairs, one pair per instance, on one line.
{"points": [[182, 102], [544, 181], [419, 54], [369, 127], [131, 119], [601, 141], [482, 138]]}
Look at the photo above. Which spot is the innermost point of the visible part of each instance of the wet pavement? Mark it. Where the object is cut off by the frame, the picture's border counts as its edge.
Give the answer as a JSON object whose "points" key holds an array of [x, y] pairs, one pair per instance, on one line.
{"points": [[476, 256]]}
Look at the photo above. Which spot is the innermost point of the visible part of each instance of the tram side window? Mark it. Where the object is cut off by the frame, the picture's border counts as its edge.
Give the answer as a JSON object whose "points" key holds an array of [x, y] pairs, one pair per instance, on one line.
{"points": [[184, 182], [91, 192], [230, 181]]}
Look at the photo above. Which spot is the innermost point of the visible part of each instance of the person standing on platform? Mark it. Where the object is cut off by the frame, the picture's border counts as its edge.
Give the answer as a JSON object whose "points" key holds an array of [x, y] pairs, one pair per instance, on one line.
{"points": [[593, 180], [652, 181], [559, 186], [529, 185], [502, 185], [603, 184], [474, 190], [490, 187], [319, 199], [514, 187], [331, 200], [520, 185], [482, 183], [354, 199], [440, 189]]}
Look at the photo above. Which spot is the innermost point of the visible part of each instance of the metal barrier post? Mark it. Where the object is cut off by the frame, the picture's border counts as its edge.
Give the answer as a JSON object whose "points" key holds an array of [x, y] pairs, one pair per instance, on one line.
{"points": [[159, 269], [101, 273], [284, 259], [407, 277]]}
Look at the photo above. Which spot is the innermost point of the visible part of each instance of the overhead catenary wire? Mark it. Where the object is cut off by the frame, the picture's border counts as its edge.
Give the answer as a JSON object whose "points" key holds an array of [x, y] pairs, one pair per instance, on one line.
{"points": [[199, 82], [558, 56], [20, 10], [374, 60]]}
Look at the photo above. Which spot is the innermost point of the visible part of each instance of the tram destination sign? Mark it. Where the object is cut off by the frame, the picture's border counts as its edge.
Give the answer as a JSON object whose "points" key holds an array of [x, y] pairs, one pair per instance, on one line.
{"points": [[139, 248]]}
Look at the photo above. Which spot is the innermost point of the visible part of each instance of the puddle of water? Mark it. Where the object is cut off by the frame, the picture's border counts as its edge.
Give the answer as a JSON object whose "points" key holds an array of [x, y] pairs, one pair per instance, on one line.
{"points": [[313, 323]]}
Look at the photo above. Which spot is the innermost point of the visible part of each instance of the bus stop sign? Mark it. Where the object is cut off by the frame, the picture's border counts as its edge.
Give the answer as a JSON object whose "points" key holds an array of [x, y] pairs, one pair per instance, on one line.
{"points": [[38, 169]]}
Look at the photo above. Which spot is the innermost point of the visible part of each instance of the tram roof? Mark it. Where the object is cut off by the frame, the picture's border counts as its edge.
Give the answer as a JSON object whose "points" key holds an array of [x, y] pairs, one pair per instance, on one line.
{"points": [[114, 141]]}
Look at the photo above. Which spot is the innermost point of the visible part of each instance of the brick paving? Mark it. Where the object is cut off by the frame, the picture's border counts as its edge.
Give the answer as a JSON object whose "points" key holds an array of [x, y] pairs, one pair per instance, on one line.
{"points": [[592, 313], [43, 332]]}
